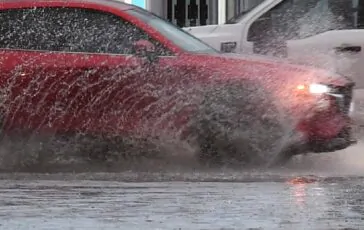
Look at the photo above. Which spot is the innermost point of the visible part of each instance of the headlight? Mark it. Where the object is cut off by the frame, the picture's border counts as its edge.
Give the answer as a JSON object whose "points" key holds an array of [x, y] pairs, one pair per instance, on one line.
{"points": [[318, 89]]}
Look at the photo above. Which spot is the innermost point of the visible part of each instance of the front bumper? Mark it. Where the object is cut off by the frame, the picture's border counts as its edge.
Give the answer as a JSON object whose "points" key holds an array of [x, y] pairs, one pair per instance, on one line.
{"points": [[328, 129], [342, 141]]}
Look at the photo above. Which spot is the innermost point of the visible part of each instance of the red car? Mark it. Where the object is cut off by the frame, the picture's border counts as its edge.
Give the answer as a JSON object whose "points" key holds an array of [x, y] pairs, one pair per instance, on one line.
{"points": [[113, 71]]}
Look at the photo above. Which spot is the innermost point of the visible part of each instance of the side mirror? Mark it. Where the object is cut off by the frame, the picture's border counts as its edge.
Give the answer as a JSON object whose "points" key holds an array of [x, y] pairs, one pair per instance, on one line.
{"points": [[145, 49]]}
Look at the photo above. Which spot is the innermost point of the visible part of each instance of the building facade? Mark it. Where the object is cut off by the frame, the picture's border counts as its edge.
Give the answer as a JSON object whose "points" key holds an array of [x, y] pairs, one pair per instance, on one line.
{"points": [[185, 13]]}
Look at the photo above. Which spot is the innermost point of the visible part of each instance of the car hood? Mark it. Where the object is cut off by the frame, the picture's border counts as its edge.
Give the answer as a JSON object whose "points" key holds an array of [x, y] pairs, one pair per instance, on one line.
{"points": [[273, 69]]}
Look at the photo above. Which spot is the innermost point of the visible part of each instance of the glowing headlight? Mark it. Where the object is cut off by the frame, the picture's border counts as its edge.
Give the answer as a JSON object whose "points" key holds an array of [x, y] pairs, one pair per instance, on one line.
{"points": [[318, 89]]}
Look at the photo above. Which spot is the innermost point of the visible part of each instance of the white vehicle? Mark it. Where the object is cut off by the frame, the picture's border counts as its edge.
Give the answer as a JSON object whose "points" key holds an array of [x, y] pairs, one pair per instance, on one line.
{"points": [[324, 33]]}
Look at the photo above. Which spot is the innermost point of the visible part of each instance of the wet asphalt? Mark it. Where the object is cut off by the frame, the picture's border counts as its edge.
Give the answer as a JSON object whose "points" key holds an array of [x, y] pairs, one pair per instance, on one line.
{"points": [[313, 192], [330, 203]]}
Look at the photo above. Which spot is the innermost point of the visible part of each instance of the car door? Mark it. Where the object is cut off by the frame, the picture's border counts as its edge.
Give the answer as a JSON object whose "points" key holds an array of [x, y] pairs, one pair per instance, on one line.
{"points": [[63, 68], [112, 83], [89, 78], [101, 74], [322, 33]]}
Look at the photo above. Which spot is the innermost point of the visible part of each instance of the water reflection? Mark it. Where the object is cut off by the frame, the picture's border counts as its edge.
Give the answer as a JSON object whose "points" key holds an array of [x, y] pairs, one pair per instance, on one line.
{"points": [[299, 194], [300, 189]]}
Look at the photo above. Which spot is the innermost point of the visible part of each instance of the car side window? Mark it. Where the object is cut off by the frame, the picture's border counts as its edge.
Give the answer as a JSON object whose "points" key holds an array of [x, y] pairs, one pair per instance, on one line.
{"points": [[297, 19], [71, 30]]}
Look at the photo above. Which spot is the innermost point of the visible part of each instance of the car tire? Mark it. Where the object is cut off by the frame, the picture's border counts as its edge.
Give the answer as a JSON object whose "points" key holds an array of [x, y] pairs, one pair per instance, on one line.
{"points": [[241, 125]]}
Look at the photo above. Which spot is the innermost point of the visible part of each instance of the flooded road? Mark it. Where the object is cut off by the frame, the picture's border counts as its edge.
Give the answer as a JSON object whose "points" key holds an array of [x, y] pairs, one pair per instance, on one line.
{"points": [[302, 196], [329, 203]]}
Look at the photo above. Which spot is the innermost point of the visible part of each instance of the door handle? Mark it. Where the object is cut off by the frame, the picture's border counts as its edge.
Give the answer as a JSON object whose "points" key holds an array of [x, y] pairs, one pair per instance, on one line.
{"points": [[348, 49], [20, 72]]}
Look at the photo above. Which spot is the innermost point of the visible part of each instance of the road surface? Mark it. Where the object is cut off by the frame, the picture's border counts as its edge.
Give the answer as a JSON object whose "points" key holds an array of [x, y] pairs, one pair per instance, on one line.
{"points": [[326, 194]]}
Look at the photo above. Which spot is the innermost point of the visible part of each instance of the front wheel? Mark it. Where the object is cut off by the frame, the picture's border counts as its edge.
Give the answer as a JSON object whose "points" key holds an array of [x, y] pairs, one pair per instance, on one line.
{"points": [[241, 124]]}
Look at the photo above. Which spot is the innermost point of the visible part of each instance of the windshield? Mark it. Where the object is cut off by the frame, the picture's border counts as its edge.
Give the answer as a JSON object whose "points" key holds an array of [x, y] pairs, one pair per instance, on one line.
{"points": [[237, 17], [239, 9], [179, 37]]}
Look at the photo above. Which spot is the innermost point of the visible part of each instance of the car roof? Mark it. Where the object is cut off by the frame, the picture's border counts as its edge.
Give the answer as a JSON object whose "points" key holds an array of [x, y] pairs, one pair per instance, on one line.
{"points": [[44, 3]]}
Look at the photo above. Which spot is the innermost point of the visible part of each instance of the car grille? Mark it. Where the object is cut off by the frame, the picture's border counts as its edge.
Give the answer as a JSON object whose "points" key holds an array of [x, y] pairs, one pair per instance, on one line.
{"points": [[344, 96]]}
